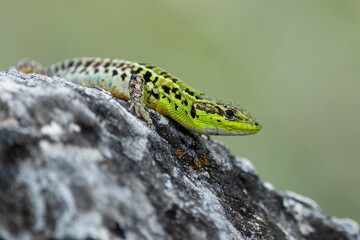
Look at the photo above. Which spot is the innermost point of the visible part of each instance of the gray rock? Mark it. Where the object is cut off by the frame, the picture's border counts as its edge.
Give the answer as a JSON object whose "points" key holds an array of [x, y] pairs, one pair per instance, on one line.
{"points": [[75, 164]]}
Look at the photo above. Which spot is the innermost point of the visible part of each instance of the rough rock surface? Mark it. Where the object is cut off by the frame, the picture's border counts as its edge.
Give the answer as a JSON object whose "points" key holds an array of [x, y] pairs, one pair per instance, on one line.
{"points": [[75, 164]]}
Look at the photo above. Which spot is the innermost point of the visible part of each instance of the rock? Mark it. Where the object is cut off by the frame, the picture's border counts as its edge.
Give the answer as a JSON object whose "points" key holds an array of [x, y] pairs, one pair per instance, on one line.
{"points": [[75, 164]]}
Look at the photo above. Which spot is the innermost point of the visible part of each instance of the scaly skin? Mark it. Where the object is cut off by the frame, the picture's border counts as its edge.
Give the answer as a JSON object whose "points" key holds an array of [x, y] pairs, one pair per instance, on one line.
{"points": [[162, 92]]}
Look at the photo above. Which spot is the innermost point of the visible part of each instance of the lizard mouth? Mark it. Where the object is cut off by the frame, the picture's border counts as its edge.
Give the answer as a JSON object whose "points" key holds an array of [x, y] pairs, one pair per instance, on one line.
{"points": [[210, 130], [243, 128]]}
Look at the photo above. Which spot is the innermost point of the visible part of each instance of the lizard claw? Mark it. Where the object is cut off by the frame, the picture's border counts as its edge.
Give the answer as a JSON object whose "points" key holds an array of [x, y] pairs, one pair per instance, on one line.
{"points": [[140, 112]]}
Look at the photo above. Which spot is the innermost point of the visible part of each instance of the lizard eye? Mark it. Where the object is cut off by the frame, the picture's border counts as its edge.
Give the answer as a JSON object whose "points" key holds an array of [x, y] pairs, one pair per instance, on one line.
{"points": [[229, 113]]}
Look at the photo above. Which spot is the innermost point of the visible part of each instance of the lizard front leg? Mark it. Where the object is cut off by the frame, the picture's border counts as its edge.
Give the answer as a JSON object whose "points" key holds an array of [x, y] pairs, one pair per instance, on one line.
{"points": [[136, 90]]}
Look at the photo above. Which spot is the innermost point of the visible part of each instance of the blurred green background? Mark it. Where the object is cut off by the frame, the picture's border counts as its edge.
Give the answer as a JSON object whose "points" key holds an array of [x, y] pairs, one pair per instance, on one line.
{"points": [[293, 64]]}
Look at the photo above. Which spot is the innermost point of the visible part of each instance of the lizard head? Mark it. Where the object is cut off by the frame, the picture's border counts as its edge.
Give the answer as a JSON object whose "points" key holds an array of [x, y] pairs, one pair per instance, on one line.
{"points": [[216, 117]]}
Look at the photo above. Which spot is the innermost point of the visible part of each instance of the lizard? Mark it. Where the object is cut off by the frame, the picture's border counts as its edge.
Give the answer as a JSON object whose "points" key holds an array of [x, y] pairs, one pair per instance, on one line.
{"points": [[147, 84]]}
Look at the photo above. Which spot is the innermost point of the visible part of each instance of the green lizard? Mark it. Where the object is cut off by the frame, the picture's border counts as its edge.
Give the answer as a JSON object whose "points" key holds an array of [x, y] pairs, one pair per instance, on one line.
{"points": [[157, 89]]}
